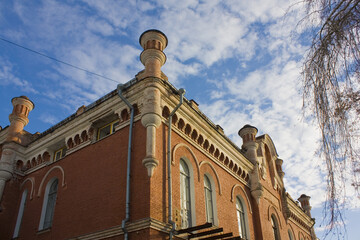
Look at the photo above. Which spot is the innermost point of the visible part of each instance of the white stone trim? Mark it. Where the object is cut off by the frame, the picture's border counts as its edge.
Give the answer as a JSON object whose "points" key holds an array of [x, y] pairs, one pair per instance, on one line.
{"points": [[20, 213], [45, 202], [32, 180], [48, 172], [216, 175], [242, 189]]}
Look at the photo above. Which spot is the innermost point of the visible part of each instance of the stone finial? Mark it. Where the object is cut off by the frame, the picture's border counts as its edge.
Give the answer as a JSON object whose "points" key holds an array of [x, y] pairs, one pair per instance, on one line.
{"points": [[305, 204], [153, 42], [19, 117]]}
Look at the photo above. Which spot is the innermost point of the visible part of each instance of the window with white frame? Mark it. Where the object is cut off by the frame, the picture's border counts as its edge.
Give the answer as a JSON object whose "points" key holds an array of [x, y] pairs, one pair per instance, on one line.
{"points": [[241, 218], [20, 214], [107, 129], [185, 197], [209, 203], [47, 213]]}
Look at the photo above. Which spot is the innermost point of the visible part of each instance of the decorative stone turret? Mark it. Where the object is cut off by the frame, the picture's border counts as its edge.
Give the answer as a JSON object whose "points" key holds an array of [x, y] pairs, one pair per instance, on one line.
{"points": [[248, 134], [153, 57], [153, 42], [18, 120], [305, 204]]}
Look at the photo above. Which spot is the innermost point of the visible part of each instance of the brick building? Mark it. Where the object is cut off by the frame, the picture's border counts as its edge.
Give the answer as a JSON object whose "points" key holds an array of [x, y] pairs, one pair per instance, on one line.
{"points": [[103, 172]]}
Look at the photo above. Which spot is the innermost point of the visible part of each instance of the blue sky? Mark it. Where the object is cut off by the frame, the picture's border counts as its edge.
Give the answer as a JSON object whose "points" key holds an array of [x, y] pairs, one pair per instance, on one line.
{"points": [[240, 60]]}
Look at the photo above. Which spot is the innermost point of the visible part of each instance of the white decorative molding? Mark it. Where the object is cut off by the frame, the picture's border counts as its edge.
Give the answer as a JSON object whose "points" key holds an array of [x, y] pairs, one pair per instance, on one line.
{"points": [[32, 180], [216, 175], [177, 146], [48, 172], [245, 194], [276, 213]]}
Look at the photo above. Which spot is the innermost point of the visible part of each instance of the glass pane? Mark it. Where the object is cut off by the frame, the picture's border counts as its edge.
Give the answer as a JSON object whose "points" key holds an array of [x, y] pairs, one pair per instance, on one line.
{"points": [[113, 126], [57, 155], [207, 182], [63, 152], [275, 228], [241, 218], [185, 195], [20, 214], [208, 200], [290, 235], [103, 132], [50, 207]]}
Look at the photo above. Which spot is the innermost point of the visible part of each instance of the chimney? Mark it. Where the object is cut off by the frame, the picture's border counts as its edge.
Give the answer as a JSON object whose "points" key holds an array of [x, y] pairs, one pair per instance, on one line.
{"points": [[19, 118], [248, 134], [305, 204], [153, 42]]}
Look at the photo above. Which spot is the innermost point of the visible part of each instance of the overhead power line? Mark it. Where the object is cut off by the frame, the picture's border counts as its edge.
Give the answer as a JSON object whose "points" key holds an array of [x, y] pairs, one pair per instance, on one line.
{"points": [[57, 60]]}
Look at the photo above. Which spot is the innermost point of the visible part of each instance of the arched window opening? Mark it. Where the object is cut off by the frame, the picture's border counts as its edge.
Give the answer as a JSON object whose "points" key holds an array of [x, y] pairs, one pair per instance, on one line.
{"points": [[291, 237], [49, 204], [241, 218], [208, 200], [275, 227], [20, 214], [185, 201]]}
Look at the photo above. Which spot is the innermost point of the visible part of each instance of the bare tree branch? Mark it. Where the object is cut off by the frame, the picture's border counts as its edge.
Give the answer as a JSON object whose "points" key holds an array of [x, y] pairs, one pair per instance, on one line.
{"points": [[331, 89]]}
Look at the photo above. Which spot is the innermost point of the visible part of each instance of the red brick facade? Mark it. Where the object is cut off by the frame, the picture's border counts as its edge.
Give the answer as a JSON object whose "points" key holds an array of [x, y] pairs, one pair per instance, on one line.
{"points": [[90, 201]]}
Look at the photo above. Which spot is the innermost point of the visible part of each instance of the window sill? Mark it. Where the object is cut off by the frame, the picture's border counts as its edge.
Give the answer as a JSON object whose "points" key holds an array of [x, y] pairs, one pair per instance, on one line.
{"points": [[43, 231]]}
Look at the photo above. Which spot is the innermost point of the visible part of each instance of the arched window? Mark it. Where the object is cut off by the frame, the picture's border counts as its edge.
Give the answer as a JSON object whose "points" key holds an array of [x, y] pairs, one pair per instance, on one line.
{"points": [[275, 227], [185, 197], [291, 236], [48, 209], [209, 203], [20, 214], [241, 218]]}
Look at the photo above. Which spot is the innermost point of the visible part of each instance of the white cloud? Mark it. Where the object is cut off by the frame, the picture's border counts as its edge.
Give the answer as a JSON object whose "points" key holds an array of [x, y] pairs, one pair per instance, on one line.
{"points": [[250, 42], [48, 118], [9, 79]]}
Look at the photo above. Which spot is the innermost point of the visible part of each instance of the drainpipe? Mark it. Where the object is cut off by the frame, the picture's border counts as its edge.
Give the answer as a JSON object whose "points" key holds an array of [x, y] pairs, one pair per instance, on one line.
{"points": [[181, 92], [120, 87]]}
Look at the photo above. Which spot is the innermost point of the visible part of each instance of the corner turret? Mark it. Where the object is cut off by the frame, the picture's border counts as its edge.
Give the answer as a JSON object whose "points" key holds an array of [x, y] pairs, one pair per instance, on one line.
{"points": [[18, 120], [153, 42]]}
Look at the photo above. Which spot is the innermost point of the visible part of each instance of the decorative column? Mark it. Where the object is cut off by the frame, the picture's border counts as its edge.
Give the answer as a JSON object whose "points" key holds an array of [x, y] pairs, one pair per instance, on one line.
{"points": [[248, 134], [153, 42], [18, 120]]}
